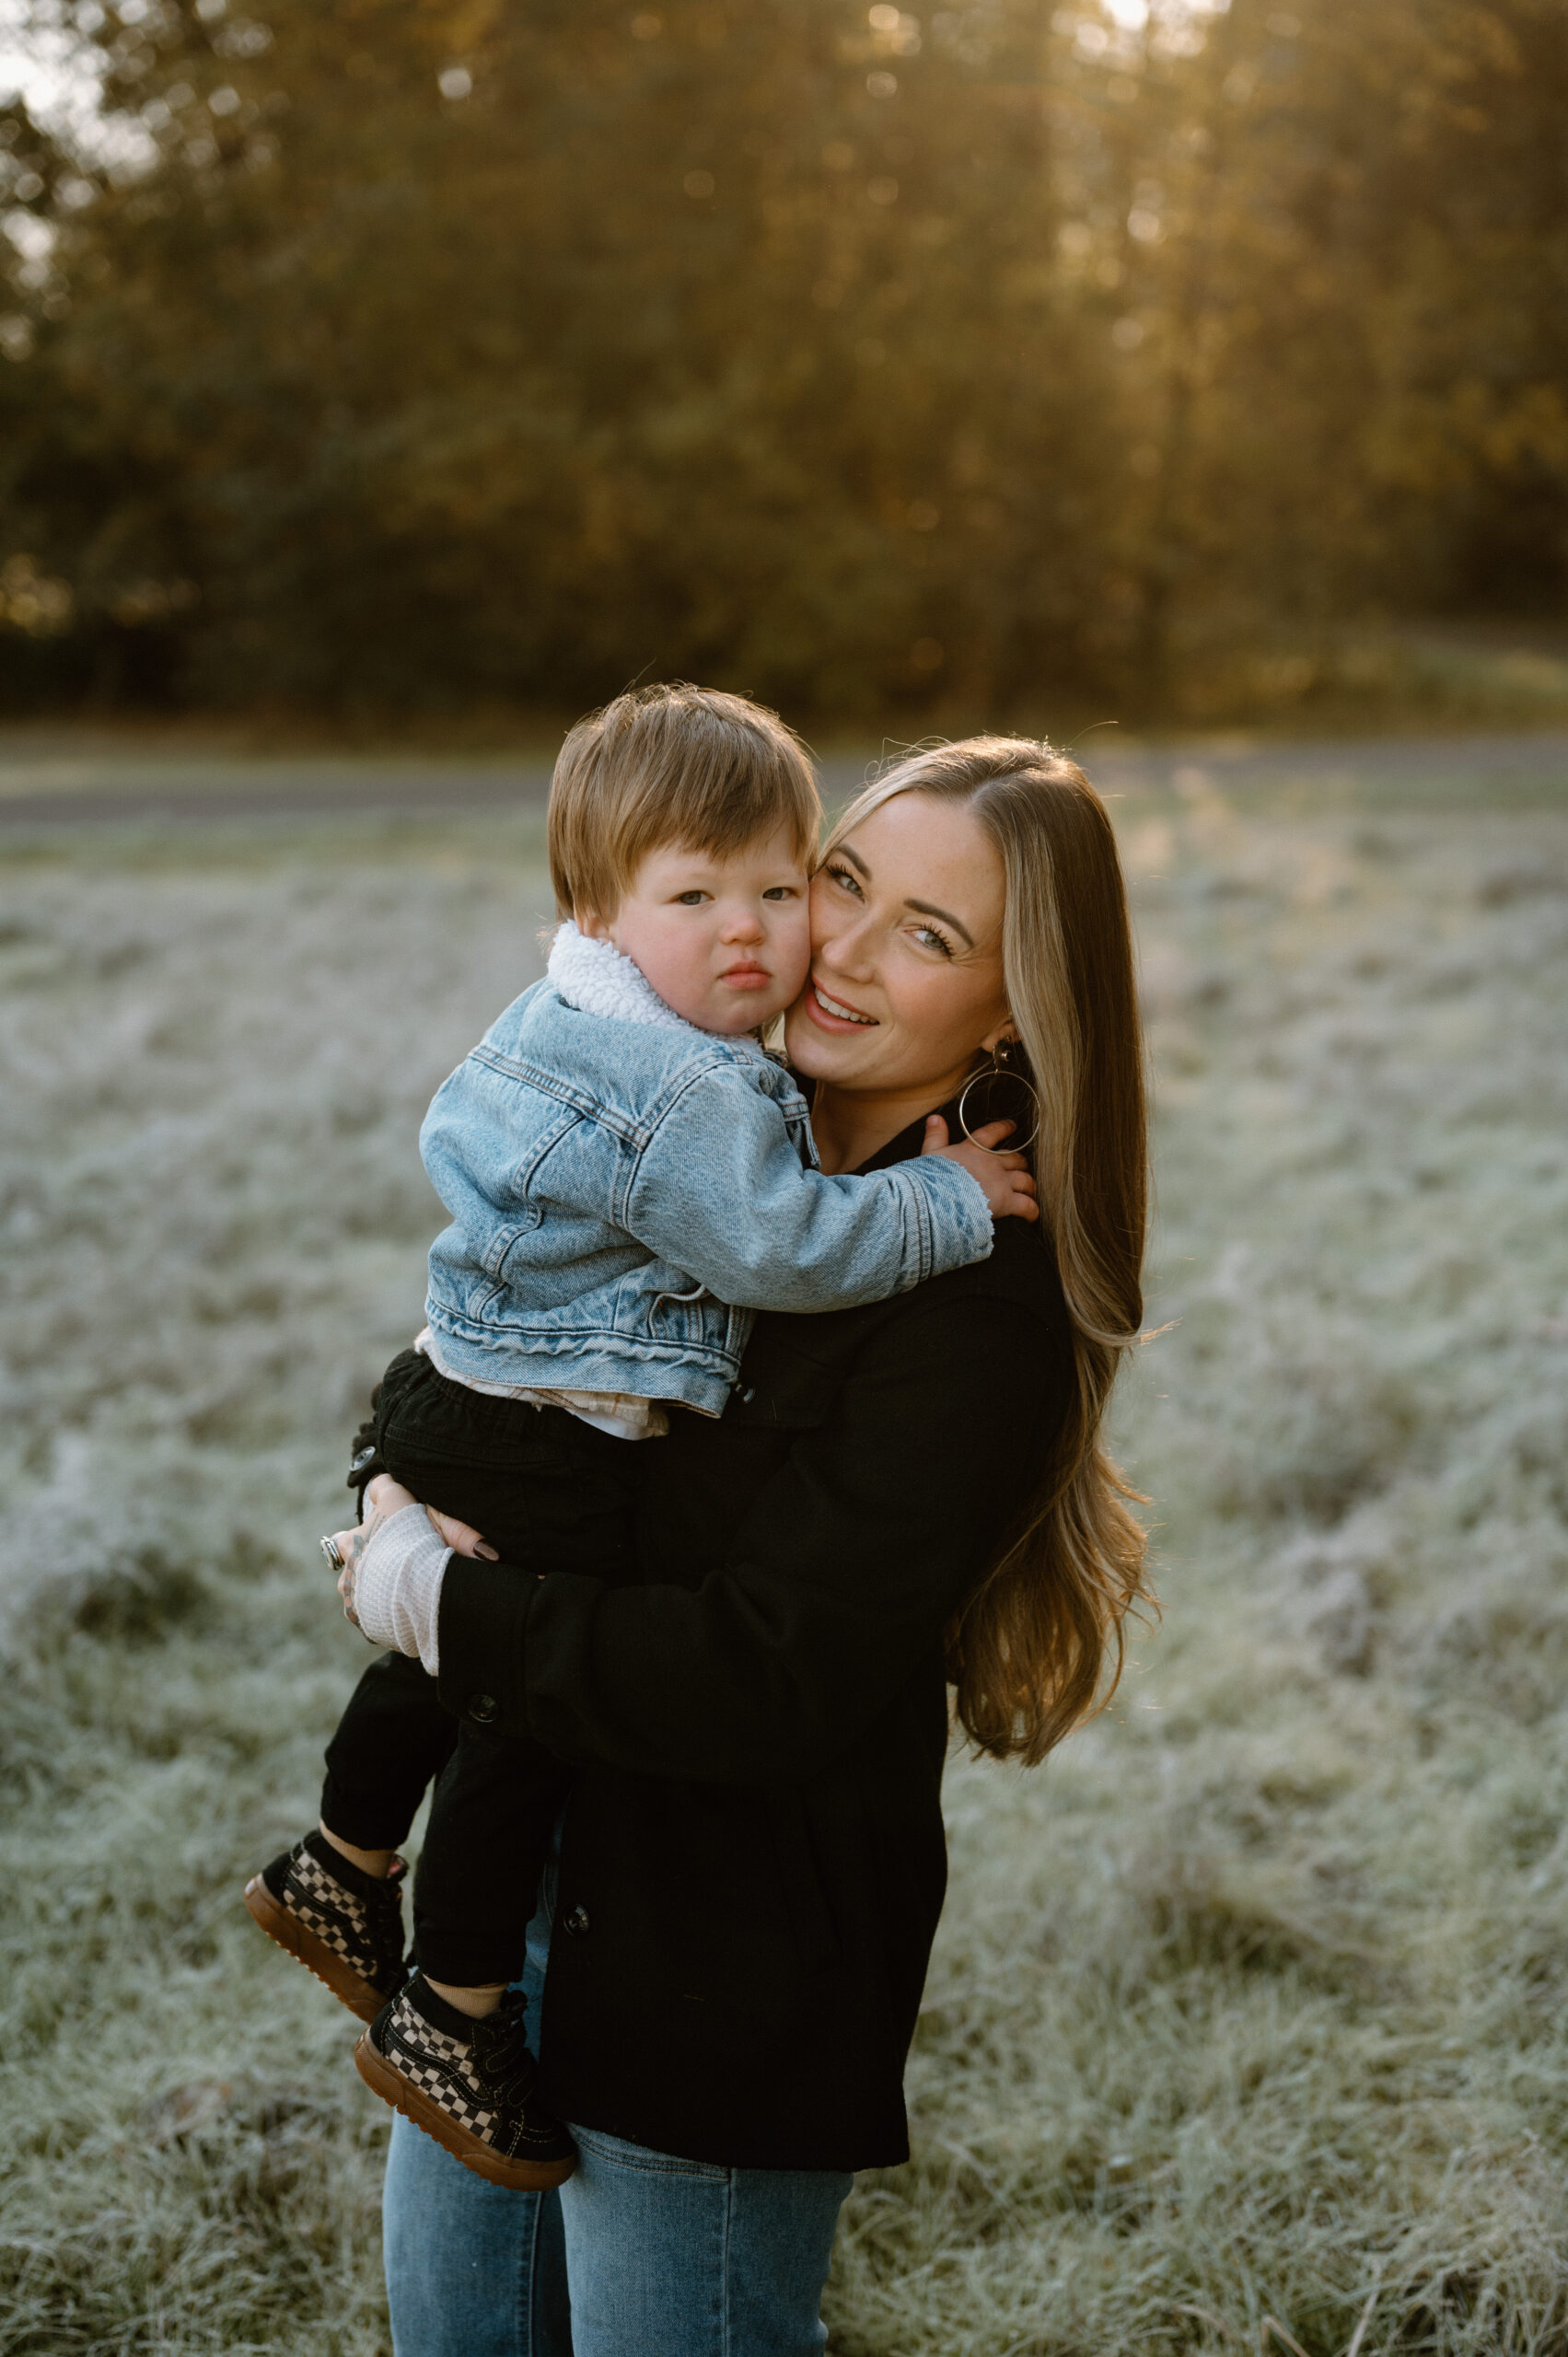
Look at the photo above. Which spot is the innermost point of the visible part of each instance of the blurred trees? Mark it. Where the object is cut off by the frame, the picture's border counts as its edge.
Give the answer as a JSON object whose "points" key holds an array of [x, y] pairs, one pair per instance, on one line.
{"points": [[401, 351]]}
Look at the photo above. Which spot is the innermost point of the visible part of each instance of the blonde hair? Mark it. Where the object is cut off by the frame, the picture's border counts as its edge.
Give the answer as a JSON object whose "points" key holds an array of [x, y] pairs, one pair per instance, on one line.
{"points": [[1029, 1649], [671, 765]]}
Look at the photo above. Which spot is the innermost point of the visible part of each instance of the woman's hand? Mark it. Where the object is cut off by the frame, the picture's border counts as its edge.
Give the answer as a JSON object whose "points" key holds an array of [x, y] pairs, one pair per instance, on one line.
{"points": [[383, 1498], [461, 1536], [1009, 1189]]}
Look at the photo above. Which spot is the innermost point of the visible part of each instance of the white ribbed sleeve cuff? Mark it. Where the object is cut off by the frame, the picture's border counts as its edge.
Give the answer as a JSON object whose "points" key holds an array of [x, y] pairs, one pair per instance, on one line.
{"points": [[397, 1589]]}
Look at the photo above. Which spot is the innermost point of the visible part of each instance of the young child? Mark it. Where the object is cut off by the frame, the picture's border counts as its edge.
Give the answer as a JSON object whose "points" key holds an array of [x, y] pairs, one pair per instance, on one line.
{"points": [[631, 1177]]}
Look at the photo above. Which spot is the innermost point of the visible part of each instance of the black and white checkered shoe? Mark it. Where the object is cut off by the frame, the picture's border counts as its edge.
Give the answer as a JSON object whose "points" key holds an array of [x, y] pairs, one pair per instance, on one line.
{"points": [[343, 1923], [469, 2084]]}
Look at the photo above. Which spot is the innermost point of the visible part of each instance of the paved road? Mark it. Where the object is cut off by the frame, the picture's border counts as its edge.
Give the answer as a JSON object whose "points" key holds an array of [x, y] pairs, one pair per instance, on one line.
{"points": [[46, 785], [94, 788], [88, 789]]}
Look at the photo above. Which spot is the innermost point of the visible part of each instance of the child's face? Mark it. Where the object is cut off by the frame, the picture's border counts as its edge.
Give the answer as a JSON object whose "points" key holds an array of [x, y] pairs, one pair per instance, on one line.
{"points": [[725, 942]]}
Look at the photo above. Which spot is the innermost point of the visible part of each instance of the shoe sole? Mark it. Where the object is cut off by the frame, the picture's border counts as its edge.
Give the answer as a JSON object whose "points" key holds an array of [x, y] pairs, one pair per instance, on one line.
{"points": [[298, 1941], [519, 2177]]}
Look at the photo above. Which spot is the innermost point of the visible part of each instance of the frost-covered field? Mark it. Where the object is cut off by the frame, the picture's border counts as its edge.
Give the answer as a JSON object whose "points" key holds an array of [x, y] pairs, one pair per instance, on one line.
{"points": [[1251, 2005]]}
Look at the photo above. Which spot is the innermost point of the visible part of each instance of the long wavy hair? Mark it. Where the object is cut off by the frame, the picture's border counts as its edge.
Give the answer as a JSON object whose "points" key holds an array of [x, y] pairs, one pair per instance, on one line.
{"points": [[1039, 1645]]}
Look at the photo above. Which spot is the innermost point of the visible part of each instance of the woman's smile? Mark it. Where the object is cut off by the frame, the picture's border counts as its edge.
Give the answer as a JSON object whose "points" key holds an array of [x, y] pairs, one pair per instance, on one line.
{"points": [[832, 1013]]}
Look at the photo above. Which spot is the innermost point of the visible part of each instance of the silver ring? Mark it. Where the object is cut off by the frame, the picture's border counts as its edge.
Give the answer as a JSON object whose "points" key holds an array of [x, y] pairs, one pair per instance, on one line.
{"points": [[333, 1553]]}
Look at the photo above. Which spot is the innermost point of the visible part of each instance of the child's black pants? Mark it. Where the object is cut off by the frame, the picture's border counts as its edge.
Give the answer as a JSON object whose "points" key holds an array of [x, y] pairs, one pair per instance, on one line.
{"points": [[539, 1485]]}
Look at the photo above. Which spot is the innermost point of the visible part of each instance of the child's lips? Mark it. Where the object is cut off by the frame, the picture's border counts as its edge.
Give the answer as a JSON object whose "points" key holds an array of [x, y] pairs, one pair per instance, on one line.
{"points": [[746, 976]]}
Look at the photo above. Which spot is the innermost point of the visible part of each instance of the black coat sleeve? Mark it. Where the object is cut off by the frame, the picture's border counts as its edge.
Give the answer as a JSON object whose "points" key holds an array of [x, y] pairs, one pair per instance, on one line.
{"points": [[836, 1584]]}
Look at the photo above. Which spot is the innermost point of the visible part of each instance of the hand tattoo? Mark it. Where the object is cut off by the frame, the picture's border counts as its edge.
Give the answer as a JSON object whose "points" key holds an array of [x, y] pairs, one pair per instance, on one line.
{"points": [[358, 1541]]}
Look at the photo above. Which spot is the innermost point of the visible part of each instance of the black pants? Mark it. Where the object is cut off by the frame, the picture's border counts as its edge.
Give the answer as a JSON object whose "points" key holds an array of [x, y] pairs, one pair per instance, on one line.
{"points": [[541, 1485]]}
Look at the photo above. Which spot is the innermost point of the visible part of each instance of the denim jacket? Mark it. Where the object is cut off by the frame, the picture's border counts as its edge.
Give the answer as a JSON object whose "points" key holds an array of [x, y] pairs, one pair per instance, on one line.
{"points": [[626, 1190]]}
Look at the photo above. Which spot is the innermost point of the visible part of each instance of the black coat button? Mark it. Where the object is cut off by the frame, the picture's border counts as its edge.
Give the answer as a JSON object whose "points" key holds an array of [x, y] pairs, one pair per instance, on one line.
{"points": [[482, 1708], [577, 1922]]}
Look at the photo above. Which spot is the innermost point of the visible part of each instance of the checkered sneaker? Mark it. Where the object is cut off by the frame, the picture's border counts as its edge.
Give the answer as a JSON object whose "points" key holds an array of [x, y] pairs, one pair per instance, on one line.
{"points": [[470, 2084], [343, 1924]]}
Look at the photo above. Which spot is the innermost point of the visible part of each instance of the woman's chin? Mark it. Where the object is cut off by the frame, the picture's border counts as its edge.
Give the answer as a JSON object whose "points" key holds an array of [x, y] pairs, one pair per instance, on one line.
{"points": [[810, 1049]]}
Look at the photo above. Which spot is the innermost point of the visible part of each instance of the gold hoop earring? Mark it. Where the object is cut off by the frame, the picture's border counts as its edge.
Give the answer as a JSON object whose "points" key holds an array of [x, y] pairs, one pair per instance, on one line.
{"points": [[998, 1069]]}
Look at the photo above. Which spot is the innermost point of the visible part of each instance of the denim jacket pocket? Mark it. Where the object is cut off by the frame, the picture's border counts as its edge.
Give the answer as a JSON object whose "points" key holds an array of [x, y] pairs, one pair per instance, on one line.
{"points": [[679, 1317]]}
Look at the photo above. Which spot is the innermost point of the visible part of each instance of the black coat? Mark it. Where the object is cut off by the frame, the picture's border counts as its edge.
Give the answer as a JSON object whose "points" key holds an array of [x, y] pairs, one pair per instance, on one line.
{"points": [[753, 1861]]}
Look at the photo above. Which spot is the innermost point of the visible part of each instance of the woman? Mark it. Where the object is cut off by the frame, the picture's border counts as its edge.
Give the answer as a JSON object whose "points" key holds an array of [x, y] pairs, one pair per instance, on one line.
{"points": [[901, 1496]]}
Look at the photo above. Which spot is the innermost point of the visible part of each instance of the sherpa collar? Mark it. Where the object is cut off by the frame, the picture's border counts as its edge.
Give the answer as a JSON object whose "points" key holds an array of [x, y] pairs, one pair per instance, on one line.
{"points": [[594, 976]]}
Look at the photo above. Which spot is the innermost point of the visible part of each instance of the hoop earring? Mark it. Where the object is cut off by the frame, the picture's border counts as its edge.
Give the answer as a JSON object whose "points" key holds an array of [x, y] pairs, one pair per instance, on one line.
{"points": [[997, 1070]]}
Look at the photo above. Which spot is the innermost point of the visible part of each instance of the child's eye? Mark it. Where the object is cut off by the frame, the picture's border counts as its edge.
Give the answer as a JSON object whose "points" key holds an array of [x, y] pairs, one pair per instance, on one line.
{"points": [[782, 892], [692, 899]]}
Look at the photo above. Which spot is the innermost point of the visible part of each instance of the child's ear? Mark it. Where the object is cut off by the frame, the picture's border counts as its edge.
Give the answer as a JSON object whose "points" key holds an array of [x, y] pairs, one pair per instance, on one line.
{"points": [[590, 924]]}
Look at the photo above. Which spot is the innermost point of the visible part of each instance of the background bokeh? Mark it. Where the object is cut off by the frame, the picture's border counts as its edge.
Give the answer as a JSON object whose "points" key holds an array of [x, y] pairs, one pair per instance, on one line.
{"points": [[1182, 361]]}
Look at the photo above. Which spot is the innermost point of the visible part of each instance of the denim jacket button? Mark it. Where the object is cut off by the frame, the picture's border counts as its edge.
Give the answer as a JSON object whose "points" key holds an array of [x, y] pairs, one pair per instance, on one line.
{"points": [[577, 1922], [482, 1708]]}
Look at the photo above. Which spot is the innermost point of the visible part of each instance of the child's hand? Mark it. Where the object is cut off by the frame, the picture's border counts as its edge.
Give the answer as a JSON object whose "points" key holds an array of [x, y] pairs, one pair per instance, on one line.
{"points": [[1009, 1189]]}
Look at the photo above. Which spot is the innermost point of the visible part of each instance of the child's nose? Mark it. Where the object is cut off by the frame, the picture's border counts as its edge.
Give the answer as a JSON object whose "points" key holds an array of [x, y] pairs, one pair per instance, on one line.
{"points": [[743, 924]]}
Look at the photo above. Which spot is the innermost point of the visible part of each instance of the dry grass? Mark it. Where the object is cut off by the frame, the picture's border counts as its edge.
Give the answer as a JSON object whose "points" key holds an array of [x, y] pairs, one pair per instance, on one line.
{"points": [[1249, 2005]]}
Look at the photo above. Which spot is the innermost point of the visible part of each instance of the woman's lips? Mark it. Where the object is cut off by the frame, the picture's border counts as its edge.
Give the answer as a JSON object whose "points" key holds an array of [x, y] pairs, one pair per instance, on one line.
{"points": [[834, 1014]]}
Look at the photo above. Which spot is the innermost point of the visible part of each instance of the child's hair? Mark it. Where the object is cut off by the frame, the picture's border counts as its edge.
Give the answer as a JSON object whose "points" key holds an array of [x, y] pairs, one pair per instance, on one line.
{"points": [[671, 765]]}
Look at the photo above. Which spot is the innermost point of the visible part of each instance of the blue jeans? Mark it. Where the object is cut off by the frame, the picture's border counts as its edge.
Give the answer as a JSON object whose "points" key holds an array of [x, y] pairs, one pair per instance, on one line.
{"points": [[638, 2254]]}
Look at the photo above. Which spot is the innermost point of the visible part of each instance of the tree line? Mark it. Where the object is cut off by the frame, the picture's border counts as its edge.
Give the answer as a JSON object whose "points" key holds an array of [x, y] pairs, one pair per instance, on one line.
{"points": [[409, 352]]}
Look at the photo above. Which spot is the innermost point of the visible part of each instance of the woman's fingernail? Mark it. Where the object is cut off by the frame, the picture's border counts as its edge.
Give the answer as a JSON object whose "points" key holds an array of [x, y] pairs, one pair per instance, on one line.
{"points": [[488, 1552]]}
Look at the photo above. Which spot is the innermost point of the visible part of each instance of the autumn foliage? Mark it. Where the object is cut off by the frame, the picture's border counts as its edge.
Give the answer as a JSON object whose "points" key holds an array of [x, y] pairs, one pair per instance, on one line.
{"points": [[393, 354]]}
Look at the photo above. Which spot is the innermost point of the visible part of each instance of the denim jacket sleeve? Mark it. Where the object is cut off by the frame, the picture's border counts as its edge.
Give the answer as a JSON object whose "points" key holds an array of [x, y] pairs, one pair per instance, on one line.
{"points": [[720, 1190]]}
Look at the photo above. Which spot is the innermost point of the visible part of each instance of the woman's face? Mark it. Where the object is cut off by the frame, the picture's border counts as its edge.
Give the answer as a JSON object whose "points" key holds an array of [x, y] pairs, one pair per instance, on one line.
{"points": [[906, 968]]}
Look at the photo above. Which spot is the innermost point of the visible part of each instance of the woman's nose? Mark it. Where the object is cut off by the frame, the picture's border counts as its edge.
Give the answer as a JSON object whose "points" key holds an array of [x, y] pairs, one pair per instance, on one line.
{"points": [[848, 949]]}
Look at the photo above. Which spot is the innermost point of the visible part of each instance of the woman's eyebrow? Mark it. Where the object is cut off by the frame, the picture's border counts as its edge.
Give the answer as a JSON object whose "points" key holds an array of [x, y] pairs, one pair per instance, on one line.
{"points": [[929, 909], [925, 908]]}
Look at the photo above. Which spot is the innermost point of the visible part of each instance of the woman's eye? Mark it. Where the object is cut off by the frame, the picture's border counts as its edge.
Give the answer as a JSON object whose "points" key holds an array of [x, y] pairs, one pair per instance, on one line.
{"points": [[929, 939], [842, 876]]}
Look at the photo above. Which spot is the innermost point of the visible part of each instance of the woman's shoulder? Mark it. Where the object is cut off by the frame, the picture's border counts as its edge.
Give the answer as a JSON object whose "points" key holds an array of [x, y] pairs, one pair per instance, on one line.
{"points": [[1009, 1305], [1001, 1320], [1021, 1268]]}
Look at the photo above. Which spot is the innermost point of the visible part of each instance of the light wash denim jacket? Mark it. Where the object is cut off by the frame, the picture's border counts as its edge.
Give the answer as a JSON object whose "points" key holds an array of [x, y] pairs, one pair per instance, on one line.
{"points": [[626, 1192]]}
